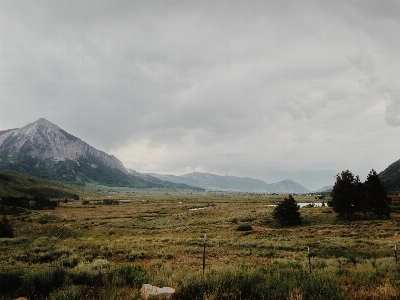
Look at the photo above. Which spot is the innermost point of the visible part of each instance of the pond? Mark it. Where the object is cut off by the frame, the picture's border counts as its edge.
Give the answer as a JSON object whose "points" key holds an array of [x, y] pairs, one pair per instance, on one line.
{"points": [[304, 204]]}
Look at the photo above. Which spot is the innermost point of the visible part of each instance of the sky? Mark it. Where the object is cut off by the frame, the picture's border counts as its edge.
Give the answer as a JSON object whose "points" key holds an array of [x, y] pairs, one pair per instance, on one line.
{"points": [[271, 90]]}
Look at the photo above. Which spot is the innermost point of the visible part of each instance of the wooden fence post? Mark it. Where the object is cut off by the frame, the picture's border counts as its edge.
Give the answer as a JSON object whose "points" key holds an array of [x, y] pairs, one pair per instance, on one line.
{"points": [[204, 253]]}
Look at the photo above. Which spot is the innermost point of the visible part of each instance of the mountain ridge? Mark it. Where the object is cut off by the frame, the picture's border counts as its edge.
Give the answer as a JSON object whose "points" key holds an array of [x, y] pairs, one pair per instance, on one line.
{"points": [[234, 184]]}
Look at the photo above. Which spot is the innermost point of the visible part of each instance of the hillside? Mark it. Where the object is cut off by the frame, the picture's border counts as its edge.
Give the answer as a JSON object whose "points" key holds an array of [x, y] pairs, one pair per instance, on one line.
{"points": [[325, 189], [17, 185], [390, 177]]}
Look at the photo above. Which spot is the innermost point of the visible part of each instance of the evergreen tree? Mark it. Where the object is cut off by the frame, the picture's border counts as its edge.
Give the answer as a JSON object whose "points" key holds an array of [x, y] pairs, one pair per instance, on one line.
{"points": [[346, 194], [6, 229], [287, 212], [377, 198]]}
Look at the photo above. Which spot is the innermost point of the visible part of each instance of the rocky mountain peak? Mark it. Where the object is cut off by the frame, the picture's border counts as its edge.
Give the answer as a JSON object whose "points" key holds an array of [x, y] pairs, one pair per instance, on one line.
{"points": [[45, 140], [42, 124], [42, 131]]}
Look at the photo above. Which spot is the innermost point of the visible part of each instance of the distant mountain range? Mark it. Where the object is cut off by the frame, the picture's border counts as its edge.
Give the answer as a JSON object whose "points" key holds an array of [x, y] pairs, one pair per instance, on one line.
{"points": [[234, 184], [44, 150]]}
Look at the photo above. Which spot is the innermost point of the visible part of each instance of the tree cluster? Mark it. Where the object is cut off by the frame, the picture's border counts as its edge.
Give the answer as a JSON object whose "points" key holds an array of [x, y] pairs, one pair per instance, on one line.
{"points": [[36, 202], [352, 197], [287, 212]]}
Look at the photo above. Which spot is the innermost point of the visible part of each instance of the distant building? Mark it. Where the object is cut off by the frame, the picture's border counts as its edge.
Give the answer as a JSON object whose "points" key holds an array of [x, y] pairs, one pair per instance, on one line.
{"points": [[395, 198]]}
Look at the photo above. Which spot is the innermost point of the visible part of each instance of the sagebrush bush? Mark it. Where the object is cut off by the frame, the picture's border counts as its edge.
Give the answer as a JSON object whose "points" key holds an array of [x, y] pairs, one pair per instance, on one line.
{"points": [[244, 228], [39, 282], [89, 273], [67, 292], [132, 275]]}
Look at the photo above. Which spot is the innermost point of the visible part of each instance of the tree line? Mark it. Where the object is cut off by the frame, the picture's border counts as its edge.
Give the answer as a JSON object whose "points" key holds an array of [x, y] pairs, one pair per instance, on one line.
{"points": [[351, 197], [37, 202]]}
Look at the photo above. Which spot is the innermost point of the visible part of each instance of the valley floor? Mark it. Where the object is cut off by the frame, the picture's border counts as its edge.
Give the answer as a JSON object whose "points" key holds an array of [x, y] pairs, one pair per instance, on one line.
{"points": [[105, 248]]}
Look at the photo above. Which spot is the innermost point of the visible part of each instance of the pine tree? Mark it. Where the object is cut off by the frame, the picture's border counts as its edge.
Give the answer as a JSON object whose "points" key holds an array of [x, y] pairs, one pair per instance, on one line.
{"points": [[377, 198], [6, 229], [287, 212], [347, 194]]}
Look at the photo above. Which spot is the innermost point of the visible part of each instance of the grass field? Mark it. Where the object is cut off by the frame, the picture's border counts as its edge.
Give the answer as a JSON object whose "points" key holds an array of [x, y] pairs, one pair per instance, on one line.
{"points": [[106, 246]]}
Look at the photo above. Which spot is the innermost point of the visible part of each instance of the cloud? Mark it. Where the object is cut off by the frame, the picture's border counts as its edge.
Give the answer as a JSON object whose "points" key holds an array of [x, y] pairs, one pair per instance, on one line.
{"points": [[242, 88]]}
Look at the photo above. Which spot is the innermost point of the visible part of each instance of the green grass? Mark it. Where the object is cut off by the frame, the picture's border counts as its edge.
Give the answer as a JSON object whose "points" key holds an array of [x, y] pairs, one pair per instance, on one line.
{"points": [[103, 251]]}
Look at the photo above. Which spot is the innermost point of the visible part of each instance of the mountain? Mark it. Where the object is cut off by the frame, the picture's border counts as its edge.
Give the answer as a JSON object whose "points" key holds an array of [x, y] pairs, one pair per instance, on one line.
{"points": [[234, 184], [18, 185], [44, 150], [390, 177], [325, 189], [288, 186]]}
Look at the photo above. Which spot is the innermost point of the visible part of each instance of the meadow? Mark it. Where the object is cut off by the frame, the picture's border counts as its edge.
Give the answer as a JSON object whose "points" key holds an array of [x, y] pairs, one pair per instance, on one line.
{"points": [[107, 245]]}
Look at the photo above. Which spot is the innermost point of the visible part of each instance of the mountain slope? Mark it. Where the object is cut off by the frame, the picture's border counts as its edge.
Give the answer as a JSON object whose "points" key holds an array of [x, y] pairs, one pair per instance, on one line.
{"points": [[234, 184], [325, 189], [390, 177], [44, 150], [17, 185]]}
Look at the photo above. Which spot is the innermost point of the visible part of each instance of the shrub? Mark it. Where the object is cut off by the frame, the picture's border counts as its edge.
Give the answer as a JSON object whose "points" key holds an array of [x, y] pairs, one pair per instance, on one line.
{"points": [[10, 279], [41, 281], [244, 228], [89, 273], [6, 230], [132, 275], [68, 292], [110, 202]]}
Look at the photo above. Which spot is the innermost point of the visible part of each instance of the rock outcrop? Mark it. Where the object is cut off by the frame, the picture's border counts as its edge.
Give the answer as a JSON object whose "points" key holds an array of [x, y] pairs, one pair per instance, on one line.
{"points": [[152, 292]]}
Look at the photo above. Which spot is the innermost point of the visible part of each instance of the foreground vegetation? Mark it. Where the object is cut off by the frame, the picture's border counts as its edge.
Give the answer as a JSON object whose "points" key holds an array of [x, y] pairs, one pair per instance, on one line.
{"points": [[107, 247]]}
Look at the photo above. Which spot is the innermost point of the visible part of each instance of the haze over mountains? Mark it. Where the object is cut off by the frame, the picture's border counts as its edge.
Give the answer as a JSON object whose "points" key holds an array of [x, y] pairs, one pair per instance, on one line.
{"points": [[44, 150], [234, 184]]}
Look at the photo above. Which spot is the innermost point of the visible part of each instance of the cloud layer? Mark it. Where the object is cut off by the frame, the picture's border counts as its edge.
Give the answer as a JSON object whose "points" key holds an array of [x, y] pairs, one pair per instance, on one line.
{"points": [[265, 89]]}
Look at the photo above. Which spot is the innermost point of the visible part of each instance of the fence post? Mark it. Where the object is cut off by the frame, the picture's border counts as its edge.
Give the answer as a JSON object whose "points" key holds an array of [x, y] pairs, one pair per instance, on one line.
{"points": [[309, 258], [204, 253], [395, 252]]}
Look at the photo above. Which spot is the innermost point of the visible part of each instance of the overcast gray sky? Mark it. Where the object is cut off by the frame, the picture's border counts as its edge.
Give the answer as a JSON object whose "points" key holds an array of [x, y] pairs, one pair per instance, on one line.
{"points": [[264, 89]]}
